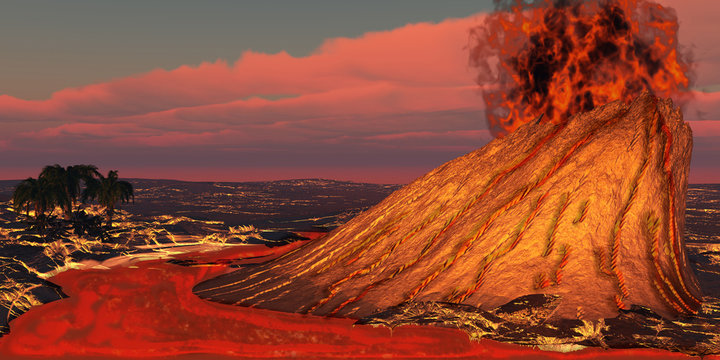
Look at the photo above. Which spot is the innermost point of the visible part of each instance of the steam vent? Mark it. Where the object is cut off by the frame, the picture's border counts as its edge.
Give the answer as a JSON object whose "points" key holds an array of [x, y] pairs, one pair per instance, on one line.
{"points": [[591, 210]]}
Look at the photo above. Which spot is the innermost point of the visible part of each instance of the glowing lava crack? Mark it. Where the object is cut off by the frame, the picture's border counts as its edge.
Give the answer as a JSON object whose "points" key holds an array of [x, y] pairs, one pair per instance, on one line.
{"points": [[591, 210]]}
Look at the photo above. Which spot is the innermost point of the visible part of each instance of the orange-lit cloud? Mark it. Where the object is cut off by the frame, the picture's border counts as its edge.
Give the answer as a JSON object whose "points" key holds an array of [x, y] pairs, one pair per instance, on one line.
{"points": [[418, 55], [409, 88], [397, 100], [705, 128], [419, 68]]}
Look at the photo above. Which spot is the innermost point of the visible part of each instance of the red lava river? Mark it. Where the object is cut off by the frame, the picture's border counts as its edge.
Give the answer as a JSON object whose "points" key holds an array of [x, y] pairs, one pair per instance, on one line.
{"points": [[147, 311]]}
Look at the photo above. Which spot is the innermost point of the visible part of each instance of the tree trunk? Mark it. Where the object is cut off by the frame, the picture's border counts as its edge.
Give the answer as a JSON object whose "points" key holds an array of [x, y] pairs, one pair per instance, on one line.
{"points": [[40, 218], [591, 210], [69, 211], [109, 215]]}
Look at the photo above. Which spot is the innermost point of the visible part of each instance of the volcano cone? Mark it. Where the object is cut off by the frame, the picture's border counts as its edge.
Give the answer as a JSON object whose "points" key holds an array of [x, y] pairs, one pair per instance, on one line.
{"points": [[591, 210]]}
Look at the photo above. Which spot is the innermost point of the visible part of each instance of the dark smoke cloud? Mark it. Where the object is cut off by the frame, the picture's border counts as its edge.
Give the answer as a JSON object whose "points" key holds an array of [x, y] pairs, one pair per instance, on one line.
{"points": [[527, 68]]}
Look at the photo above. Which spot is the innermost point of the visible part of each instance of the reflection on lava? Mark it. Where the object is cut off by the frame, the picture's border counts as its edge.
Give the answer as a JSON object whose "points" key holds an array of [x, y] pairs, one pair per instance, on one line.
{"points": [[147, 310]]}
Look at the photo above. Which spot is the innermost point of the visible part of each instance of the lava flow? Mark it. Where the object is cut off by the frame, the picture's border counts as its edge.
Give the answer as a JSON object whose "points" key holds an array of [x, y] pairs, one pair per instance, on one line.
{"points": [[559, 58], [148, 311]]}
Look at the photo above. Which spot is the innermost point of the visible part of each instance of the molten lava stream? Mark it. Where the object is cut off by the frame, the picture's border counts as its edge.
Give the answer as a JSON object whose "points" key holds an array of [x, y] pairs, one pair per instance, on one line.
{"points": [[148, 311]]}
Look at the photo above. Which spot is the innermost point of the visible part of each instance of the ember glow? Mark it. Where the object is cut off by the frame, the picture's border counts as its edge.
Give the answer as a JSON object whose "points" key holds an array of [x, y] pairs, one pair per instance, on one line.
{"points": [[558, 58]]}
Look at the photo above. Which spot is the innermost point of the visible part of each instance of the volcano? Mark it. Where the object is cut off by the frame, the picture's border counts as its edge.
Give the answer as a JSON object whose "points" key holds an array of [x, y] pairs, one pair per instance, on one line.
{"points": [[590, 209]]}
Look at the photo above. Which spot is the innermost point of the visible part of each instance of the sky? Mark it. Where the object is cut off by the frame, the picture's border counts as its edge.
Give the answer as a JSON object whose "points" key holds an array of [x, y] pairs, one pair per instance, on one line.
{"points": [[372, 91]]}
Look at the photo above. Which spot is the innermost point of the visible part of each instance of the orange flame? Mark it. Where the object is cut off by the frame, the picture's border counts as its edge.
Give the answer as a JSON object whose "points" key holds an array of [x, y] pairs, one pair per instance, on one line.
{"points": [[558, 58]]}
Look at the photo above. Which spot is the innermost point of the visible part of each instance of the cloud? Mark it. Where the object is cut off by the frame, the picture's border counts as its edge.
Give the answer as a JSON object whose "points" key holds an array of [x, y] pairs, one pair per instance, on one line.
{"points": [[77, 131], [702, 106], [422, 54], [705, 129], [405, 96], [414, 78]]}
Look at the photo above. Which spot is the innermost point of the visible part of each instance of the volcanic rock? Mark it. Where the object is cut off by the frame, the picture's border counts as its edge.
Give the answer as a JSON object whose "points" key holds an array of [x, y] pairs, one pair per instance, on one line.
{"points": [[526, 324], [590, 210]]}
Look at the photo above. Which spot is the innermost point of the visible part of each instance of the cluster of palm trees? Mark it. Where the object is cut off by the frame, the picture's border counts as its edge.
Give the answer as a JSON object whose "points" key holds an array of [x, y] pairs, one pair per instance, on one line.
{"points": [[62, 187]]}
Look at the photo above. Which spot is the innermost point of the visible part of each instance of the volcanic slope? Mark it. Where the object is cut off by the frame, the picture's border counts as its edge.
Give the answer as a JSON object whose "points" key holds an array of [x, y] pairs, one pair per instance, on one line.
{"points": [[591, 210]]}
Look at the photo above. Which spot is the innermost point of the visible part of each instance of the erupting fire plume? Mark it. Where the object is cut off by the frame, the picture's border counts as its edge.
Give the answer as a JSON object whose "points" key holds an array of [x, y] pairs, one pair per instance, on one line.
{"points": [[558, 58]]}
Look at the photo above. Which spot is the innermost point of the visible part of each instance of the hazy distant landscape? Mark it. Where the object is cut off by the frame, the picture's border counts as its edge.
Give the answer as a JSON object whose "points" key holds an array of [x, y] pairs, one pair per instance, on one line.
{"points": [[285, 204], [320, 204]]}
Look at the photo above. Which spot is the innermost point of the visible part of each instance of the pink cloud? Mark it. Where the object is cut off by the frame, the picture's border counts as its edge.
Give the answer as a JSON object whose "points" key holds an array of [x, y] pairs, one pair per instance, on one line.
{"points": [[172, 138], [703, 105], [426, 134], [86, 129], [422, 54], [698, 25], [705, 128], [347, 86], [401, 90]]}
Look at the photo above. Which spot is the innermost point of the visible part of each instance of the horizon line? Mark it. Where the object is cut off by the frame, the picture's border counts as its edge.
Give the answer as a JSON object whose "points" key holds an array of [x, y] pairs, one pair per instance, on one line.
{"points": [[246, 181], [293, 179]]}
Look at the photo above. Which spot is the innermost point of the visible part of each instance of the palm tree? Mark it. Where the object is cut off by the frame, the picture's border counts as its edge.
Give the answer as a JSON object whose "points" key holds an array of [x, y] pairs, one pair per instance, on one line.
{"points": [[76, 174], [25, 194], [53, 178], [66, 182], [37, 194], [108, 191]]}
